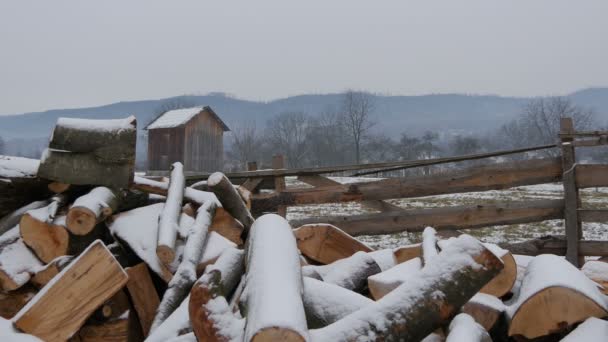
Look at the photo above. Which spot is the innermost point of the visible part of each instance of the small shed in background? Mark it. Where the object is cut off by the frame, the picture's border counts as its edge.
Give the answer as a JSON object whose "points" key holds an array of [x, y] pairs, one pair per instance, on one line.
{"points": [[193, 136]]}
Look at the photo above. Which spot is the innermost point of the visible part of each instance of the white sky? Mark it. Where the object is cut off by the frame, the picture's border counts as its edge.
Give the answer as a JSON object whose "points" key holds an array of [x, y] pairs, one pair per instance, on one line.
{"points": [[61, 54]]}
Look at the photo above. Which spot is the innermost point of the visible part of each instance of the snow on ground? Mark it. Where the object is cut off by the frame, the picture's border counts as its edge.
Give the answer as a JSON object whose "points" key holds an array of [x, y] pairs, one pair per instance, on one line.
{"points": [[593, 198]]}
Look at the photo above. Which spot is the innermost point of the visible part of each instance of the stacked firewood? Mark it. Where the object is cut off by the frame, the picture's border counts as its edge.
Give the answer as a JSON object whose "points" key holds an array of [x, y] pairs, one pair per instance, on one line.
{"points": [[86, 260]]}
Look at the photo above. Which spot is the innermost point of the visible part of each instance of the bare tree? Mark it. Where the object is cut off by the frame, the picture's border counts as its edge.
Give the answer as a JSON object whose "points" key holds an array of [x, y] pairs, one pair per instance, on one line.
{"points": [[2, 145], [327, 139], [286, 133], [461, 145], [357, 110], [246, 143]]}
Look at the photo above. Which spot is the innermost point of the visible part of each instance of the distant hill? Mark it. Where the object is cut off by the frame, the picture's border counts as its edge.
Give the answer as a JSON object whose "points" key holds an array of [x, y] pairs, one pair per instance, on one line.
{"points": [[395, 114]]}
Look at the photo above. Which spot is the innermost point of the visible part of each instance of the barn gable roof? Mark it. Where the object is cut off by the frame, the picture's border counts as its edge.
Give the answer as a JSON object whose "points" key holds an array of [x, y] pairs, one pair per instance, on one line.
{"points": [[179, 117]]}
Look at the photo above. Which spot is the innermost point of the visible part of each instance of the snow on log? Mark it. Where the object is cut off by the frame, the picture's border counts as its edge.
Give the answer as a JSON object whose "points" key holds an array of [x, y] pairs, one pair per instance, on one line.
{"points": [[90, 209], [350, 273], [420, 306], [178, 323], [273, 292], [137, 229], [48, 272], [553, 295], [185, 275], [504, 281], [405, 253], [485, 309], [161, 188], [86, 169], [215, 246], [326, 303], [60, 309], [325, 243], [384, 258], [464, 328], [592, 330], [168, 221], [87, 135], [12, 219], [17, 262], [210, 314], [230, 198], [429, 244], [143, 295], [598, 272], [382, 283]]}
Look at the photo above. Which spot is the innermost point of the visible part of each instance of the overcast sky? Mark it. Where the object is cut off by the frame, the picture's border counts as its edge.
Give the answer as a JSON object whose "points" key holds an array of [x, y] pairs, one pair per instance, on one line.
{"points": [[63, 54]]}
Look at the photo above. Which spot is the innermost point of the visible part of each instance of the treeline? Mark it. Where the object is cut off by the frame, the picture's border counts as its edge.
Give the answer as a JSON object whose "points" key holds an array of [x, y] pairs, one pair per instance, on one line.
{"points": [[345, 134]]}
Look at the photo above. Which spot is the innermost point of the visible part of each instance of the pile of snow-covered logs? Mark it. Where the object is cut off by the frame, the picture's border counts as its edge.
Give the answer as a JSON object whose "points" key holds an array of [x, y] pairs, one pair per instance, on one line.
{"points": [[160, 261]]}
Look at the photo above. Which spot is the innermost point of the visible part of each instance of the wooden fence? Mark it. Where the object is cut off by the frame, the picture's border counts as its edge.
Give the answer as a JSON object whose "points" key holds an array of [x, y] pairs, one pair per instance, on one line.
{"points": [[494, 176]]}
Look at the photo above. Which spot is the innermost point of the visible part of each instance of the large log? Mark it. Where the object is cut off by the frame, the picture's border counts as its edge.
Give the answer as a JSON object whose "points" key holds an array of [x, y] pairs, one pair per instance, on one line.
{"points": [[417, 308], [481, 178], [553, 296], [449, 218], [325, 243], [273, 292], [210, 314], [350, 273], [230, 199], [326, 303], [168, 221], [58, 312], [185, 275], [90, 209]]}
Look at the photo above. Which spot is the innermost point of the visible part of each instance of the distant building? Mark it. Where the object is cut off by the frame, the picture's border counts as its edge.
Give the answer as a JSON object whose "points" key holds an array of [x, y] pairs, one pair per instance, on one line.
{"points": [[193, 136]]}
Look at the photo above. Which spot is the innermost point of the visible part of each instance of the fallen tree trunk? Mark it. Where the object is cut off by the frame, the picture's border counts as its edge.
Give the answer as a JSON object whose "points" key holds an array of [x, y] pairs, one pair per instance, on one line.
{"points": [[325, 243], [58, 312], [464, 328], [417, 308], [90, 209], [350, 273], [325, 303], [168, 221], [231, 200], [273, 292], [210, 314], [185, 275]]}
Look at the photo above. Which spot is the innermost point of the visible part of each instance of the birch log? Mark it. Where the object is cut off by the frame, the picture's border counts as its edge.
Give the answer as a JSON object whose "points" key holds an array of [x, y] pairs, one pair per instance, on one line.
{"points": [[417, 308], [350, 273], [90, 209], [168, 221], [231, 200]]}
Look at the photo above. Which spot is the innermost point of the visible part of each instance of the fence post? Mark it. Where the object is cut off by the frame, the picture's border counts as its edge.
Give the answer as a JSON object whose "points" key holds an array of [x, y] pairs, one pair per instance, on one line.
{"points": [[572, 222], [278, 162]]}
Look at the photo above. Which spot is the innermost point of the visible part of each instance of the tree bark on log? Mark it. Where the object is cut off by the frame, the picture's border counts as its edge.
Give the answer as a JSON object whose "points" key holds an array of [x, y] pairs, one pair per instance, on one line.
{"points": [[168, 221], [91, 209], [325, 303], [273, 292], [84, 135], [231, 200], [325, 243], [416, 309], [185, 275], [350, 273], [210, 314]]}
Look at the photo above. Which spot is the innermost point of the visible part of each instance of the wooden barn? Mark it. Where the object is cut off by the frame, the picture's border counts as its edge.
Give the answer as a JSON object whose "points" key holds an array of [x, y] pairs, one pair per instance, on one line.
{"points": [[193, 136]]}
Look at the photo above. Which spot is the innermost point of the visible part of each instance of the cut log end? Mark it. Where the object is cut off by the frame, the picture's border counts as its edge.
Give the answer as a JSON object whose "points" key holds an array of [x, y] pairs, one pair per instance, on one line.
{"points": [[58, 187], [165, 254], [277, 334], [215, 179], [48, 241], [80, 220], [504, 281]]}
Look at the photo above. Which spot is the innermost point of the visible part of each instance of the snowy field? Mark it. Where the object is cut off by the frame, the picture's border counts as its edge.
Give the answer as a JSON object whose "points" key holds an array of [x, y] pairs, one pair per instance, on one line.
{"points": [[594, 198]]}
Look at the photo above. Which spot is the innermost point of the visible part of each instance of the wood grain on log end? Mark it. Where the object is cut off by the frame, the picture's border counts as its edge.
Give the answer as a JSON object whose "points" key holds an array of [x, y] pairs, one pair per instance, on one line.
{"points": [[165, 254], [48, 241], [277, 334], [80, 220]]}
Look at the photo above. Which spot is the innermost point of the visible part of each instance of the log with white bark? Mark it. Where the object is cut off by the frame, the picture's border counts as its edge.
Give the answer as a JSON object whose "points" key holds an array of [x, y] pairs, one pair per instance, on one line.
{"points": [[464, 328], [325, 243], [417, 308], [326, 303], [137, 230], [215, 246], [382, 283], [57, 312], [210, 313], [487, 310], [553, 296], [185, 275], [168, 221], [90, 209], [17, 262], [350, 273], [230, 198], [384, 258], [429, 244], [114, 136], [273, 291]]}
